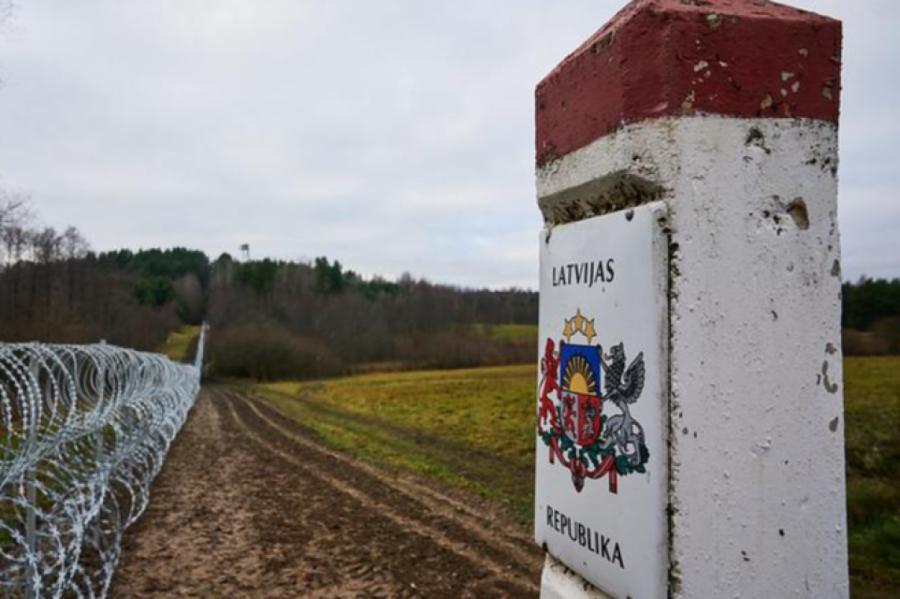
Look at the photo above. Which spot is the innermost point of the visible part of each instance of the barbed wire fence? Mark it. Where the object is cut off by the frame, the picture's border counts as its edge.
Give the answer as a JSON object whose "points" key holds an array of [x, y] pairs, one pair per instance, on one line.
{"points": [[84, 429]]}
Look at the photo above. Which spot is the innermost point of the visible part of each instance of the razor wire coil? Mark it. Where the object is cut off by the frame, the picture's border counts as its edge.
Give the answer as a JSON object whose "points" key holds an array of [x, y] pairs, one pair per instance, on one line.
{"points": [[84, 429]]}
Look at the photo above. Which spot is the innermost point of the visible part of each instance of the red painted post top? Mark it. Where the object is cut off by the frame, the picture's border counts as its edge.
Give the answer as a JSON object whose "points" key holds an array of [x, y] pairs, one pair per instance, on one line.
{"points": [[657, 58]]}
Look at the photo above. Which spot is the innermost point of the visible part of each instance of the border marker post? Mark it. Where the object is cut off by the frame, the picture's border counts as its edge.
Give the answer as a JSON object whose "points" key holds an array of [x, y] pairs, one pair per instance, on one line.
{"points": [[725, 114]]}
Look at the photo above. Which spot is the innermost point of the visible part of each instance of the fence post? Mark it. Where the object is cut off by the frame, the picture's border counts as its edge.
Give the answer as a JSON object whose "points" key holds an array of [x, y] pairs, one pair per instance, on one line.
{"points": [[101, 388], [30, 484], [98, 434], [201, 344], [693, 144]]}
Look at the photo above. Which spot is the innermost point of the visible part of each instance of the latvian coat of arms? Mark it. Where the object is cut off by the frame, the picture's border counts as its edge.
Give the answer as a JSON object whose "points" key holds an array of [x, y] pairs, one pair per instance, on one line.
{"points": [[571, 421]]}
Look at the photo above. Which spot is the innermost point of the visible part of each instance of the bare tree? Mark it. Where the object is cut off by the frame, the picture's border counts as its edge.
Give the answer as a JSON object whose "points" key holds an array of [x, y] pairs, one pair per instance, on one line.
{"points": [[16, 240], [13, 207], [73, 244], [46, 245], [16, 217], [21, 237]]}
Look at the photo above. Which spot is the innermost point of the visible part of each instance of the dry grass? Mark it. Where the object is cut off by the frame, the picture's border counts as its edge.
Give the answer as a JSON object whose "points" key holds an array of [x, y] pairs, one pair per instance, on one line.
{"points": [[474, 428], [180, 343], [525, 333]]}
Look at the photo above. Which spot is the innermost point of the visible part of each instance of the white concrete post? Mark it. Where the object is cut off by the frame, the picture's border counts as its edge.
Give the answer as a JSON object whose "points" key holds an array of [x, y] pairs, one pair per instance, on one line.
{"points": [[201, 346], [726, 113]]}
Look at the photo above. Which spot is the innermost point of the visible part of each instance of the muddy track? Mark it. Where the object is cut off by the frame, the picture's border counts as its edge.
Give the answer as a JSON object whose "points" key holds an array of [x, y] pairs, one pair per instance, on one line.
{"points": [[250, 504], [478, 516], [472, 462]]}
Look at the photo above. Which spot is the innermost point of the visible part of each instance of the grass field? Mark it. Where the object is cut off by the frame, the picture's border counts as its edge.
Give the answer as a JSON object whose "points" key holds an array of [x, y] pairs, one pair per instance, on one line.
{"points": [[180, 342], [475, 429], [507, 332], [872, 405], [472, 428]]}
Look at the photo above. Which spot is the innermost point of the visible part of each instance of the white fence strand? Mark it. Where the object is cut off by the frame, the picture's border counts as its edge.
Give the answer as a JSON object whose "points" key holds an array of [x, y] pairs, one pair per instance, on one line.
{"points": [[84, 429]]}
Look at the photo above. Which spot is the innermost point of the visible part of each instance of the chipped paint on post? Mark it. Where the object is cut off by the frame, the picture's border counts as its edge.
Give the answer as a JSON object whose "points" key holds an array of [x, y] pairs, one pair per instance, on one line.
{"points": [[755, 420], [740, 59]]}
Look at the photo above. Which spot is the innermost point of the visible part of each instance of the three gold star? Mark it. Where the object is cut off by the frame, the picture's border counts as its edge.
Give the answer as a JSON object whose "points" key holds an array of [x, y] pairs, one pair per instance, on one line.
{"points": [[568, 331], [579, 324]]}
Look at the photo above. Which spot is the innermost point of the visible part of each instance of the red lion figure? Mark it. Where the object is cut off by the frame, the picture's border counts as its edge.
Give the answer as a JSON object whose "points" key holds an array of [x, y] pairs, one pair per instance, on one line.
{"points": [[549, 384]]}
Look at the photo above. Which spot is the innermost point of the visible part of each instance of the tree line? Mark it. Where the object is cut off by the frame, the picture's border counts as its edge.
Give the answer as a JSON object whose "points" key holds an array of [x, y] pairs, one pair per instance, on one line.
{"points": [[871, 316], [24, 238], [271, 318], [54, 288], [278, 319], [292, 319]]}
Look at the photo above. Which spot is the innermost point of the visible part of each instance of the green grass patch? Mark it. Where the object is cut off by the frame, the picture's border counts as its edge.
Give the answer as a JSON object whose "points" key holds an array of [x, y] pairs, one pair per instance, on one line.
{"points": [[513, 333], [180, 343], [872, 412], [474, 429]]}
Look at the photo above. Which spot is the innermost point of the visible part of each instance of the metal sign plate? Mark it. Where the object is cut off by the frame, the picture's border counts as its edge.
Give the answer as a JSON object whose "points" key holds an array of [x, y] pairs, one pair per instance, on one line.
{"points": [[601, 467]]}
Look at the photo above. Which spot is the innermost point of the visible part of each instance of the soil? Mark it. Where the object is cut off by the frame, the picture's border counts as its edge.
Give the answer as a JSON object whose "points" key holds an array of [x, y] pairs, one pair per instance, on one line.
{"points": [[250, 504]]}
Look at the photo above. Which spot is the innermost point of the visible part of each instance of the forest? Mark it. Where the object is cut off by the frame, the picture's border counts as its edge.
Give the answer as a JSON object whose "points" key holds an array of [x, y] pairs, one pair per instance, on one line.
{"points": [[275, 319], [270, 319], [871, 317], [288, 319]]}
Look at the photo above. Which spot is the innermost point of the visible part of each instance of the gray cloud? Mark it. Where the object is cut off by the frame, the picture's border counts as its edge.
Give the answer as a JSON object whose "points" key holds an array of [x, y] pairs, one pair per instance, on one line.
{"points": [[393, 136]]}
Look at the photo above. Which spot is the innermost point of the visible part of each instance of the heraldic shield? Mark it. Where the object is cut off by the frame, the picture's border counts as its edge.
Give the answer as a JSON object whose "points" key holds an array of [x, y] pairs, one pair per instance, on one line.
{"points": [[579, 384], [571, 402]]}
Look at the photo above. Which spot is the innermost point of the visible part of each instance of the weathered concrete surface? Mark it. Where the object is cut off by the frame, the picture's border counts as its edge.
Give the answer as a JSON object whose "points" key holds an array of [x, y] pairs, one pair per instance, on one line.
{"points": [[558, 582], [659, 58], [757, 483], [758, 490], [727, 111]]}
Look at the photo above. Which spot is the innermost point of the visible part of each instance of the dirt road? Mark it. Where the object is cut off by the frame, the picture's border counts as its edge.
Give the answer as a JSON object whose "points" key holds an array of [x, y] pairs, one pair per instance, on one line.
{"points": [[249, 504]]}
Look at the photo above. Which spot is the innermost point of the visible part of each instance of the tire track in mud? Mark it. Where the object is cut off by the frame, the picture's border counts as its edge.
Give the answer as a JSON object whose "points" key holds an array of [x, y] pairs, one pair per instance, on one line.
{"points": [[378, 497], [463, 458], [485, 526], [249, 504]]}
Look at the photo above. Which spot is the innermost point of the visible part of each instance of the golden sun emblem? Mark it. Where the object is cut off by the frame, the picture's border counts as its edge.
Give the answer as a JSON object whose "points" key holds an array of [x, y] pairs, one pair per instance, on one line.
{"points": [[579, 324], [579, 378]]}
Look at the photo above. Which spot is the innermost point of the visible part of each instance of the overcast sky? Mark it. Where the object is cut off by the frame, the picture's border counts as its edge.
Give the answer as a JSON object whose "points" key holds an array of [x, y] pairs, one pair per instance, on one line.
{"points": [[393, 135]]}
